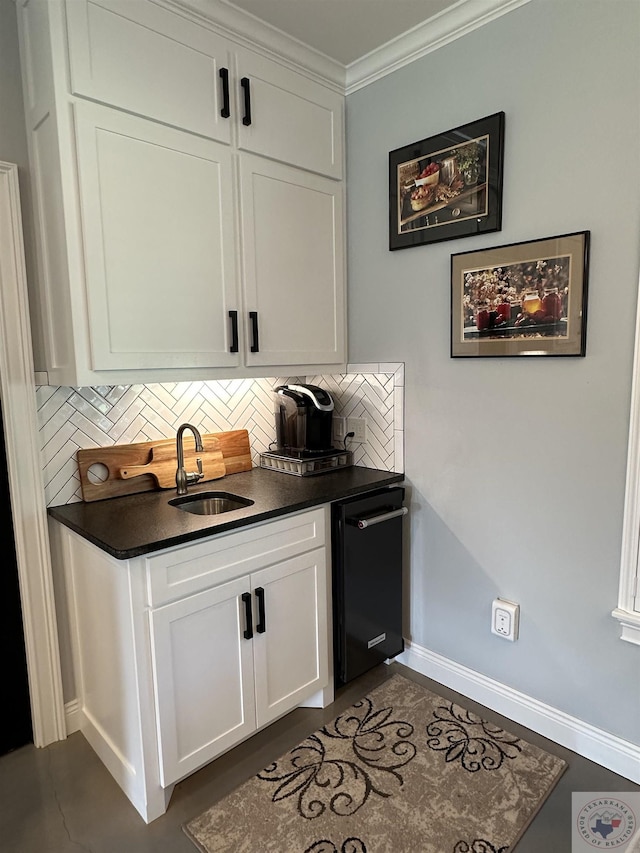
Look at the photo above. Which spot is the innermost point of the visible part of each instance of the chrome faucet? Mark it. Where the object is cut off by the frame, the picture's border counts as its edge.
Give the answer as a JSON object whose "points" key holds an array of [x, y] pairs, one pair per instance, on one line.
{"points": [[185, 478]]}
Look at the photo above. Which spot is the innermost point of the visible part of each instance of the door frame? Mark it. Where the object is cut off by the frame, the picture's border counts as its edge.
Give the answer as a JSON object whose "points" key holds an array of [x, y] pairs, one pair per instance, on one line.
{"points": [[17, 388]]}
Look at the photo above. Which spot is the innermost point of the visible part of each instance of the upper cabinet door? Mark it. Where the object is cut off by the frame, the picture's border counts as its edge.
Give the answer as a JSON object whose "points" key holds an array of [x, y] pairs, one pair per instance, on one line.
{"points": [[139, 57], [292, 244], [288, 117], [158, 243]]}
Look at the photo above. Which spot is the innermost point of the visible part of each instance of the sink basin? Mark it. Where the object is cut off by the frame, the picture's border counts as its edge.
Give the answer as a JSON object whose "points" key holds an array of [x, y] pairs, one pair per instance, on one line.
{"points": [[210, 503]]}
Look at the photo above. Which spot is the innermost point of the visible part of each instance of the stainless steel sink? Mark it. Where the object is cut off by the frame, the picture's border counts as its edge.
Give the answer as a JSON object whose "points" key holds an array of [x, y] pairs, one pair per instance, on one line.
{"points": [[210, 503]]}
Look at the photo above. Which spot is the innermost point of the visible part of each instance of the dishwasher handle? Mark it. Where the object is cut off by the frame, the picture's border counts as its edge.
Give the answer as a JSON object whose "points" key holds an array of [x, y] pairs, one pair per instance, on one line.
{"points": [[369, 520]]}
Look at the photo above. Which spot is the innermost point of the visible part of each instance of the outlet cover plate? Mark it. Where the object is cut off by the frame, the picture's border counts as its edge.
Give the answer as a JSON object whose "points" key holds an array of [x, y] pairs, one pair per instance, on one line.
{"points": [[358, 426], [505, 619]]}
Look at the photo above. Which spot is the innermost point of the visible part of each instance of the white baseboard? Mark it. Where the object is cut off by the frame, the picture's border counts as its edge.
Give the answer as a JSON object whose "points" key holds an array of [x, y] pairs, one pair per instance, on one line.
{"points": [[72, 716], [610, 751]]}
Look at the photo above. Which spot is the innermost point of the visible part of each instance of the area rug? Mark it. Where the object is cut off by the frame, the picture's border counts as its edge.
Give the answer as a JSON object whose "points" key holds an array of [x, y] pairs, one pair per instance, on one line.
{"points": [[401, 771]]}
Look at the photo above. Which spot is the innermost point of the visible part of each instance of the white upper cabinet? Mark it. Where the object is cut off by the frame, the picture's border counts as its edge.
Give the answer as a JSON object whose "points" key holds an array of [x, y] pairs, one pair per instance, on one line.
{"points": [[159, 247], [292, 259], [144, 59], [187, 194], [284, 117]]}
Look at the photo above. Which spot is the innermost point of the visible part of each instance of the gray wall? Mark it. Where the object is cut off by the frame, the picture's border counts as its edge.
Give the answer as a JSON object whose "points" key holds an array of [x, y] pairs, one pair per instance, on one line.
{"points": [[516, 466], [13, 142]]}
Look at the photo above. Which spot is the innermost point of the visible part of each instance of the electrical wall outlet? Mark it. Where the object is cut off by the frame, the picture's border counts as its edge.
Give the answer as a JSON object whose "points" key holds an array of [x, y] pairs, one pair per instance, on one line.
{"points": [[339, 431], [505, 619], [358, 426]]}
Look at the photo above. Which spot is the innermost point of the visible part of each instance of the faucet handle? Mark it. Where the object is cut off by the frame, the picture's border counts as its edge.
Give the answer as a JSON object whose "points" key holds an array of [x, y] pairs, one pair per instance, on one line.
{"points": [[194, 476]]}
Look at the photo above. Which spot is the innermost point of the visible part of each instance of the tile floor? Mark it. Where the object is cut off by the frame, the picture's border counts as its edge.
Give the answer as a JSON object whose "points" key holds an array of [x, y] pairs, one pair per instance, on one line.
{"points": [[62, 800]]}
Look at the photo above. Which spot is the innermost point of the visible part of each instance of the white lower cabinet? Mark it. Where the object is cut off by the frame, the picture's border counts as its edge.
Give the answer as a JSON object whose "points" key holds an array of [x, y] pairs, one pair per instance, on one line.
{"points": [[205, 701], [183, 653], [254, 662]]}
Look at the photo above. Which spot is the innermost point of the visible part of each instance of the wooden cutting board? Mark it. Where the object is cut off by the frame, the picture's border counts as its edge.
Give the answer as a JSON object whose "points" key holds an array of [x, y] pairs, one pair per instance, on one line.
{"points": [[99, 467], [163, 463]]}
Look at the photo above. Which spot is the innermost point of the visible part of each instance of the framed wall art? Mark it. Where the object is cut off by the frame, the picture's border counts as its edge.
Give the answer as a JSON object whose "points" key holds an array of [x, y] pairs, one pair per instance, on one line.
{"points": [[447, 186], [526, 298]]}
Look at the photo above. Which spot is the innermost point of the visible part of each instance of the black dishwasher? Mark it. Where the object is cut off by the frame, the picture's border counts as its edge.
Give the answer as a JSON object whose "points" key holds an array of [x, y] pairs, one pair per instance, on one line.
{"points": [[367, 581]]}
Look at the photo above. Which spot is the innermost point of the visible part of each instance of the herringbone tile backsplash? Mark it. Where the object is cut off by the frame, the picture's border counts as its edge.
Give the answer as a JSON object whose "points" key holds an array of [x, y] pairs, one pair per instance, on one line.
{"points": [[73, 418]]}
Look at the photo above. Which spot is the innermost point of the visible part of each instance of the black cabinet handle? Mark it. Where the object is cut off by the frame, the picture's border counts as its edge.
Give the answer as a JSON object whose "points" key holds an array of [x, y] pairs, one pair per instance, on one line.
{"points": [[234, 331], [261, 625], [255, 345], [248, 615], [225, 112], [246, 87]]}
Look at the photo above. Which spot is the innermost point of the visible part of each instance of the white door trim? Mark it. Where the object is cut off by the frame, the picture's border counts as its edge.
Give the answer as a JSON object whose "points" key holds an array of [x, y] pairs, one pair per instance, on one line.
{"points": [[17, 389], [628, 609]]}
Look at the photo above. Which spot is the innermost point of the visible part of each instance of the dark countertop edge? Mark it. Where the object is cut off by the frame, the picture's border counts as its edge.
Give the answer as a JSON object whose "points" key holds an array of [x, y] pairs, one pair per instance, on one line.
{"points": [[221, 527], [178, 539]]}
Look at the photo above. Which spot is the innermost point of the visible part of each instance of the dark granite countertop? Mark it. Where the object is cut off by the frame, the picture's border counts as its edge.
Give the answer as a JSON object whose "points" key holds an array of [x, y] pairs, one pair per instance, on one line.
{"points": [[129, 526]]}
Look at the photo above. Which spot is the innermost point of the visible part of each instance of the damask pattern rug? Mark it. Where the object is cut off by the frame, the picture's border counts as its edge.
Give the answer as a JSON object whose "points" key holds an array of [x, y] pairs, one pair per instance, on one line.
{"points": [[401, 771]]}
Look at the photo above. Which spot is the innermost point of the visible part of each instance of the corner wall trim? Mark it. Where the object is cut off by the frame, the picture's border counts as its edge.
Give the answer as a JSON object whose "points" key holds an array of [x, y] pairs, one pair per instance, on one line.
{"points": [[610, 751], [25, 474]]}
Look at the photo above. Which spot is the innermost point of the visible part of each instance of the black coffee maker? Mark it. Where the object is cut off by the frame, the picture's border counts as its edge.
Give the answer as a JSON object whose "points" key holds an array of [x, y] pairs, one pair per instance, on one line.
{"points": [[304, 419]]}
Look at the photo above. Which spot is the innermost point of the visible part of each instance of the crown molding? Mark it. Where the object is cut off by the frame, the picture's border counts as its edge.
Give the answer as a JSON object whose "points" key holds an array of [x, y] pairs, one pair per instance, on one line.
{"points": [[451, 24], [248, 31]]}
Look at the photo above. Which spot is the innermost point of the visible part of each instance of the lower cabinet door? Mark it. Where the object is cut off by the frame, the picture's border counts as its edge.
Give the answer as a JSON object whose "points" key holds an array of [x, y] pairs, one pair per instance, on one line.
{"points": [[290, 633], [203, 677]]}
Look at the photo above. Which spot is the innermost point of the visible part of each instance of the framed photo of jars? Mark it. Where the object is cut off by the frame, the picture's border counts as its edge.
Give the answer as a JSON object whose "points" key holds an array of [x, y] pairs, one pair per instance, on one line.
{"points": [[524, 299], [447, 186]]}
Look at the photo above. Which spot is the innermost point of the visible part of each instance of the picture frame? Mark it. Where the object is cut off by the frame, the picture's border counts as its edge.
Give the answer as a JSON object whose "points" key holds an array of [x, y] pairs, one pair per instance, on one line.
{"points": [[522, 299], [448, 185]]}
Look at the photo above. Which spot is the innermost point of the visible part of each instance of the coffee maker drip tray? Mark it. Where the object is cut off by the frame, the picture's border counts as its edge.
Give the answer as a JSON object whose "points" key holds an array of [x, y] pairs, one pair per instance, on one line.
{"points": [[304, 465]]}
